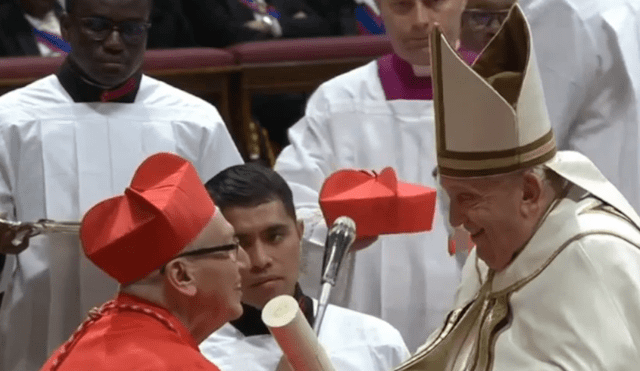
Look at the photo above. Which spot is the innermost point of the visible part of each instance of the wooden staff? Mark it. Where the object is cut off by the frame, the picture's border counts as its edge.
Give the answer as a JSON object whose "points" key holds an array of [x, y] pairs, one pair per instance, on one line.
{"points": [[43, 226], [298, 342]]}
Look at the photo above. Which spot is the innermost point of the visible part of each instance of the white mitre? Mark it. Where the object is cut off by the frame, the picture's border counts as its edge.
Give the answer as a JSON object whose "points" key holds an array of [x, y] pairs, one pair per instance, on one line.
{"points": [[491, 117], [483, 129]]}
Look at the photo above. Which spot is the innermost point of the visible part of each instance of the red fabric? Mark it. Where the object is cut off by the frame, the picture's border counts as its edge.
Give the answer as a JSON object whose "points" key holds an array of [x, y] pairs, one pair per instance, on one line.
{"points": [[312, 49], [164, 209], [123, 339], [378, 203]]}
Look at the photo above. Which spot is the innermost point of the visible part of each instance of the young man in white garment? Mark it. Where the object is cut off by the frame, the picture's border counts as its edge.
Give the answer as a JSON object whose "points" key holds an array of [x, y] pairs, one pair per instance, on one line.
{"points": [[376, 116], [71, 139], [553, 282], [588, 58], [259, 205]]}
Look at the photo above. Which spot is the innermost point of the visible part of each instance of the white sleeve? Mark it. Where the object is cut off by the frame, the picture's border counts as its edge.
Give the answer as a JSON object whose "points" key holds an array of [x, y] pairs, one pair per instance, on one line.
{"points": [[306, 163]]}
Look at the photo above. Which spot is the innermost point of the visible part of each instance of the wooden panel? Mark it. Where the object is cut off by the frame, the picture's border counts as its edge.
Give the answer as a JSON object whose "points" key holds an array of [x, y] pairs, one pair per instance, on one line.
{"points": [[295, 76], [274, 78]]}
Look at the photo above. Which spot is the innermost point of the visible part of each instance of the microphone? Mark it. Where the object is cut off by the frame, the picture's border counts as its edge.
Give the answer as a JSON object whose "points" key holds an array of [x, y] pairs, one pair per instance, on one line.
{"points": [[339, 240]]}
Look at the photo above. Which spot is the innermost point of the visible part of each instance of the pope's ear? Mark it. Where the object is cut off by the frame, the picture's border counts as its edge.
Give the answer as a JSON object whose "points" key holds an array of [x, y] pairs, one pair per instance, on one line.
{"points": [[532, 187], [180, 277]]}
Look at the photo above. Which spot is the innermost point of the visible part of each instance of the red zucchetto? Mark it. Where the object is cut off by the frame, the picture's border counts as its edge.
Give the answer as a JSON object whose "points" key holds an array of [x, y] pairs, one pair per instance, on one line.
{"points": [[162, 211]]}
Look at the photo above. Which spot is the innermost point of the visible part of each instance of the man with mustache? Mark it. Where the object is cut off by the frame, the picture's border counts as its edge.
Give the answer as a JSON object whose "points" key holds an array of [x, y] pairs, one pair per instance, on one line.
{"points": [[259, 205]]}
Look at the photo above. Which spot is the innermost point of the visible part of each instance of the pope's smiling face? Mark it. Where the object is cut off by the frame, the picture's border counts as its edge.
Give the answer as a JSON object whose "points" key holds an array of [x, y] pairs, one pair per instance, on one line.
{"points": [[271, 238], [493, 210], [410, 22]]}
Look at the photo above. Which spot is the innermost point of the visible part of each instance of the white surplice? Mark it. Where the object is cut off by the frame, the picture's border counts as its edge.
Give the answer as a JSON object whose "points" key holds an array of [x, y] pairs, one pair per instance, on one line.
{"points": [[57, 159], [407, 280], [353, 341], [589, 56]]}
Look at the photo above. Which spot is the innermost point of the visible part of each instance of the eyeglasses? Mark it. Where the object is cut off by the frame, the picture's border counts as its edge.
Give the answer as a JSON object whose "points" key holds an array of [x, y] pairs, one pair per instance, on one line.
{"points": [[232, 248], [482, 18], [98, 29]]}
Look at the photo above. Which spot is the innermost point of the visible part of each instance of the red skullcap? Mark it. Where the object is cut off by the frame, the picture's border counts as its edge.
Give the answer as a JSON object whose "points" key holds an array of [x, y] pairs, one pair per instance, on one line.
{"points": [[161, 212]]}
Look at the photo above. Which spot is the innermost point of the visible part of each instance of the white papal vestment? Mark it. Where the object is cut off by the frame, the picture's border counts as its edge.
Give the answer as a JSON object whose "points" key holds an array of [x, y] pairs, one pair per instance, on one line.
{"points": [[57, 159]]}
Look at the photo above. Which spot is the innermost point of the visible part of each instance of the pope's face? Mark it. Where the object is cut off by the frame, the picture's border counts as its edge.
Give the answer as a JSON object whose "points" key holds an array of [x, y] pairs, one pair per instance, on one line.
{"points": [[271, 238], [410, 22], [490, 209]]}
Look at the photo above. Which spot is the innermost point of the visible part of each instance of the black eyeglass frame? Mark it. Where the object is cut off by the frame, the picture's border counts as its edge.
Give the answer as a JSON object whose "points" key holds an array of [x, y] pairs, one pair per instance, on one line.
{"points": [[111, 26], [207, 250]]}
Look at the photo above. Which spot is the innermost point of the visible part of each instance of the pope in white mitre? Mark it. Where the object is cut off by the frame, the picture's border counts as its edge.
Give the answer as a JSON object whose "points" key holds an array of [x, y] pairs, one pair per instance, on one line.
{"points": [[554, 280]]}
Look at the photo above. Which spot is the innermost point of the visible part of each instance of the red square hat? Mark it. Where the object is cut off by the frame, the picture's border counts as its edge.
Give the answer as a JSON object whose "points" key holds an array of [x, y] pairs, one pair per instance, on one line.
{"points": [[160, 213], [378, 203]]}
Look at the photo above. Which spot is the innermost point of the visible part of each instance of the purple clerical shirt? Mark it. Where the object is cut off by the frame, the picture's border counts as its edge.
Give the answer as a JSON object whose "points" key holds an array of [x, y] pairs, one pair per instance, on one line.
{"points": [[400, 82]]}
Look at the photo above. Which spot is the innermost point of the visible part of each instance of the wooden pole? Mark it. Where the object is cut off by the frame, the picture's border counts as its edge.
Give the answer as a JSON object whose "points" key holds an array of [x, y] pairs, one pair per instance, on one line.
{"points": [[292, 332]]}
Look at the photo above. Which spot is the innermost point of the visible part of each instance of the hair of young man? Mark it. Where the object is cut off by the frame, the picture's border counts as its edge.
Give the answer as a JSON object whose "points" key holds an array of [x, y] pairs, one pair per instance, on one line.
{"points": [[250, 185]]}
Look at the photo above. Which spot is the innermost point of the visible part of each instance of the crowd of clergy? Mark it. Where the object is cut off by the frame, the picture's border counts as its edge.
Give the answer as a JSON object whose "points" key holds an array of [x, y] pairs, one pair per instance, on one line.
{"points": [[491, 164]]}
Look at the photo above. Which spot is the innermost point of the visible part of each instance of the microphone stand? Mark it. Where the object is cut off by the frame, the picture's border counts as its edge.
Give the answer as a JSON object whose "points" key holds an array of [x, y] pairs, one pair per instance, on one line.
{"points": [[322, 306], [339, 240]]}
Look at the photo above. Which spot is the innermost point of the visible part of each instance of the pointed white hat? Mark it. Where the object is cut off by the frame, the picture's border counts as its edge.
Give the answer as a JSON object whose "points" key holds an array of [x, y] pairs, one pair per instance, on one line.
{"points": [[491, 117]]}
